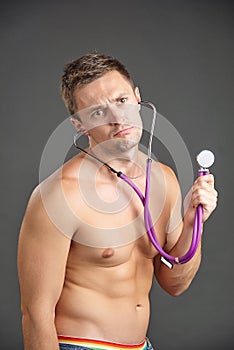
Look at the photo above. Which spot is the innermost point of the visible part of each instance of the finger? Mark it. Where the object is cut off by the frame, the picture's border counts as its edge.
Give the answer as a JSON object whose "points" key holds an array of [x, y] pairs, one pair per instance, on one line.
{"points": [[197, 188], [205, 198], [209, 178]]}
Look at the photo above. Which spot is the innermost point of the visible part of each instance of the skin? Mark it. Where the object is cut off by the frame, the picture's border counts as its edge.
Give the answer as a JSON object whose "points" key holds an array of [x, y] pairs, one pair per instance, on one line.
{"points": [[101, 292]]}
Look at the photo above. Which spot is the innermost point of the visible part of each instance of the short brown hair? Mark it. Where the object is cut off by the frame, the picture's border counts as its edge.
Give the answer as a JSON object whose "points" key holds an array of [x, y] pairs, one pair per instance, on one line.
{"points": [[85, 70]]}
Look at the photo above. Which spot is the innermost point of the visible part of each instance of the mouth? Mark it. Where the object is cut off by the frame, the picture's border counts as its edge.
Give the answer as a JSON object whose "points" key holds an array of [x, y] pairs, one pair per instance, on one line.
{"points": [[123, 132]]}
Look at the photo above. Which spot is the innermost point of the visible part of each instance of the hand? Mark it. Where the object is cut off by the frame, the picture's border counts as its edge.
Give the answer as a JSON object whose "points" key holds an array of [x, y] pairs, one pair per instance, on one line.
{"points": [[202, 192]]}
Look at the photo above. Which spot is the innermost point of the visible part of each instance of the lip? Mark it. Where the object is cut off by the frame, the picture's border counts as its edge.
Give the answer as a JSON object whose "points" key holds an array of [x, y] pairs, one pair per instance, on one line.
{"points": [[123, 131]]}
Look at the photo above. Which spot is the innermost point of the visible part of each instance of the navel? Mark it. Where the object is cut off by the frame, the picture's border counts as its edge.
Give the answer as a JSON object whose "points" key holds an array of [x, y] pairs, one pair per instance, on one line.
{"points": [[108, 253]]}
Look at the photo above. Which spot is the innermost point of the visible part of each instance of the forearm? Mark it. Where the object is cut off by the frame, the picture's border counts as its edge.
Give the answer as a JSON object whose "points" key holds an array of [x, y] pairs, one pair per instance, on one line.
{"points": [[39, 333], [175, 281]]}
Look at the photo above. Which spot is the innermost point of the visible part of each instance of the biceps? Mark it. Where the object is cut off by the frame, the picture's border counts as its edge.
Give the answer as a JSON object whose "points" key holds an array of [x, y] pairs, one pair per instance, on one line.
{"points": [[173, 237], [41, 264], [175, 224]]}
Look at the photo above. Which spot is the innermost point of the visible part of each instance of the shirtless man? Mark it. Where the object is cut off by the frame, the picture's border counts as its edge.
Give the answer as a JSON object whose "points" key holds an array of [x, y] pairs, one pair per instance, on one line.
{"points": [[84, 279]]}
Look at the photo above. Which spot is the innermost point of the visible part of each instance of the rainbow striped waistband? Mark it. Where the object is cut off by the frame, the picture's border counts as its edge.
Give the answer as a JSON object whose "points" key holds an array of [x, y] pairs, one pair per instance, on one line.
{"points": [[100, 344]]}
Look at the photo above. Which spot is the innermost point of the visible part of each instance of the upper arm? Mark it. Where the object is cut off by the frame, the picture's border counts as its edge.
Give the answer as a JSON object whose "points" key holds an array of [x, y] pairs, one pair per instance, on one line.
{"points": [[174, 198], [42, 256]]}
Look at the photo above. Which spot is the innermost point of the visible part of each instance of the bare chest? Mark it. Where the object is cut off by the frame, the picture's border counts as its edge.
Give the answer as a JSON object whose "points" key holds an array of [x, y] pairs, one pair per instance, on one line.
{"points": [[112, 215]]}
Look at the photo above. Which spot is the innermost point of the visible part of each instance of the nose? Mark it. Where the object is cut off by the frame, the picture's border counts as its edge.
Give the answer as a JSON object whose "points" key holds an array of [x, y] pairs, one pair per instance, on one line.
{"points": [[117, 115]]}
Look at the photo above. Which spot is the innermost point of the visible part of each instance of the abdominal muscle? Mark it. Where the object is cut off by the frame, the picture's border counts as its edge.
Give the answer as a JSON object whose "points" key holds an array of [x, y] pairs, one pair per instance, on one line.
{"points": [[105, 293]]}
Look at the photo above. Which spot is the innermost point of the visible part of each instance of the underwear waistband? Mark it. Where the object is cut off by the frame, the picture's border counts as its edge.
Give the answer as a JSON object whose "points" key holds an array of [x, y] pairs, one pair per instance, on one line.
{"points": [[95, 344]]}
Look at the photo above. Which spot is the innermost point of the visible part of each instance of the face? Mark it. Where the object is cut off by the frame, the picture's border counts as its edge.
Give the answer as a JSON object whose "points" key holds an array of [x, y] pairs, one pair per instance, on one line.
{"points": [[108, 111]]}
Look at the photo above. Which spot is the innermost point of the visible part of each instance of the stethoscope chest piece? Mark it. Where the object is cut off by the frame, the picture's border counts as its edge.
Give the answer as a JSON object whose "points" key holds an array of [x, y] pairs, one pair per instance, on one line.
{"points": [[205, 159]]}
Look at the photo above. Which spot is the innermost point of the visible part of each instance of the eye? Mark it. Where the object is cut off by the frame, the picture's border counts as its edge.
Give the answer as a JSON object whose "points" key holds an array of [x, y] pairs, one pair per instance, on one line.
{"points": [[123, 100], [98, 113]]}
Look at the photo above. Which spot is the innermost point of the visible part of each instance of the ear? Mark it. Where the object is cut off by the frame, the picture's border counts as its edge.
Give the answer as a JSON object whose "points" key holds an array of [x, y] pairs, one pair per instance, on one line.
{"points": [[137, 94], [79, 126]]}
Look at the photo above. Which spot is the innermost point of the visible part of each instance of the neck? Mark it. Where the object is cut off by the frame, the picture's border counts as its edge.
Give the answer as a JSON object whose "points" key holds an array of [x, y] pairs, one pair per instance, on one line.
{"points": [[128, 162]]}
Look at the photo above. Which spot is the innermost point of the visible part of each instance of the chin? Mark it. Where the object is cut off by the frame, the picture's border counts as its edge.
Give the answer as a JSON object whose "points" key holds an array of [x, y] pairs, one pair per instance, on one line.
{"points": [[125, 145]]}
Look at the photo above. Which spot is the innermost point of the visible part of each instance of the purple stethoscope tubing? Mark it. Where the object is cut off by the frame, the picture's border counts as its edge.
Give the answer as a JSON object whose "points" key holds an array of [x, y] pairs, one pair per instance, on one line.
{"points": [[197, 228], [168, 259]]}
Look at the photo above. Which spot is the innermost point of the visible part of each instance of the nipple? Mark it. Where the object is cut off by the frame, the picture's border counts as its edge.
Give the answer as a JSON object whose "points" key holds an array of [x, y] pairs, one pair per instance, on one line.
{"points": [[108, 253]]}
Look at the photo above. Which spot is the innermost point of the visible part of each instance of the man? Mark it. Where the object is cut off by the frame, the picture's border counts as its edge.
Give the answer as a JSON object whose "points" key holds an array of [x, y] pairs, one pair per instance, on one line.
{"points": [[84, 277]]}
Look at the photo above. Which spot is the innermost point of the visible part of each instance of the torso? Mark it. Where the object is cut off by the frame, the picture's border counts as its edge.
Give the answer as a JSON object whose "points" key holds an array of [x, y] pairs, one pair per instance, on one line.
{"points": [[110, 264]]}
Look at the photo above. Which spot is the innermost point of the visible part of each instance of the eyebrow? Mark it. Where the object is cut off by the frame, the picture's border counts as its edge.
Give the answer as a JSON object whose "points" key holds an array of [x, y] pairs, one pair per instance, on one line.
{"points": [[93, 108], [122, 94]]}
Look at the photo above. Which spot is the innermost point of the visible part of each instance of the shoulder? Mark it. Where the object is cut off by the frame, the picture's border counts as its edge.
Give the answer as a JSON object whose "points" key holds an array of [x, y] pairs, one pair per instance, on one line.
{"points": [[56, 186], [51, 201], [167, 173], [169, 185]]}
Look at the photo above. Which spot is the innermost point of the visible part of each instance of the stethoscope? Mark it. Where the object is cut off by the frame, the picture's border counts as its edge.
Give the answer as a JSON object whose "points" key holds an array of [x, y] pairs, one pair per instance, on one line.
{"points": [[205, 159]]}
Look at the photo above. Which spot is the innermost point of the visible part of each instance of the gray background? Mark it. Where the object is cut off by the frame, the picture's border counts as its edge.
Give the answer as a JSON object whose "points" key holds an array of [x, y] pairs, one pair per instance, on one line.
{"points": [[181, 55]]}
